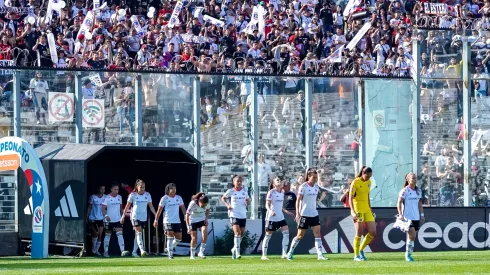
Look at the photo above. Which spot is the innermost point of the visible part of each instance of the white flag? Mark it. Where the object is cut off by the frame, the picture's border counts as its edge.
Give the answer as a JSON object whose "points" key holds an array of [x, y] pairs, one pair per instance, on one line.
{"points": [[174, 19], [360, 34]]}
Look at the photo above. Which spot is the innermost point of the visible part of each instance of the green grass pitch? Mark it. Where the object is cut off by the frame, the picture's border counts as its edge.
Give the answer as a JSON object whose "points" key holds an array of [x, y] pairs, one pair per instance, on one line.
{"points": [[461, 262]]}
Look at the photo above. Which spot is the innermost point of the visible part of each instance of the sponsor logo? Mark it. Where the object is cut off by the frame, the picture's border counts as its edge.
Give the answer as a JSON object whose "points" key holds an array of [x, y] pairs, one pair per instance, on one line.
{"points": [[337, 238], [37, 225], [9, 162], [431, 235], [67, 208]]}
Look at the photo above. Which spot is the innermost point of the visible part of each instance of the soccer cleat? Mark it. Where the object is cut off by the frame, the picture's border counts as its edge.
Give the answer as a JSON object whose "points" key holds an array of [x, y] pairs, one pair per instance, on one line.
{"points": [[136, 255], [290, 256], [264, 258], [361, 254], [409, 258], [358, 259], [233, 254], [124, 253], [98, 254], [143, 253], [106, 254], [192, 257], [170, 257], [284, 256], [322, 258], [201, 255]]}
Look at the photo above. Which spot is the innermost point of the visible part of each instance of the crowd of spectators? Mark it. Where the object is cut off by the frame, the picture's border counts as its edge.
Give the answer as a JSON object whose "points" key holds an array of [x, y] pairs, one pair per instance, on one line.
{"points": [[305, 36]]}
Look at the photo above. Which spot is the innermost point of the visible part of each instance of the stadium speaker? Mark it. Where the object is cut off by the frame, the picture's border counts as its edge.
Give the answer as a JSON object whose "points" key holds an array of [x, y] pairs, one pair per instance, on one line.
{"points": [[361, 15]]}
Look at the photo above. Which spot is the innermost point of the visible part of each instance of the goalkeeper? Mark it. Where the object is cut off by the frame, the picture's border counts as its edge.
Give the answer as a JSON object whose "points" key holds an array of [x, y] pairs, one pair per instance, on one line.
{"points": [[410, 208]]}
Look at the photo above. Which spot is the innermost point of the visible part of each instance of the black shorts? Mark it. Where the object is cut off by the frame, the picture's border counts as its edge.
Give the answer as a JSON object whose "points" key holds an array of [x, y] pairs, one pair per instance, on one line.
{"points": [[308, 222], [96, 223], [111, 226], [415, 225], [150, 115], [174, 227], [139, 223], [197, 225], [274, 226], [240, 222]]}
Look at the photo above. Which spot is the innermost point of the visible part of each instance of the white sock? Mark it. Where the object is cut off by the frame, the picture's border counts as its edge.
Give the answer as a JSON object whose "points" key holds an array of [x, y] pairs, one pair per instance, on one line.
{"points": [[285, 241], [265, 244], [203, 247], [135, 246], [94, 244], [120, 240], [236, 246], [318, 246], [294, 243], [107, 240], [409, 247], [193, 251], [97, 246], [170, 246], [139, 240], [176, 242]]}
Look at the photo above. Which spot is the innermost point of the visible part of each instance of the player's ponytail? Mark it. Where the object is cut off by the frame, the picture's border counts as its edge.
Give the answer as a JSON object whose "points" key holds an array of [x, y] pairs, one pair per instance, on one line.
{"points": [[200, 197], [138, 184], [406, 180], [364, 170]]}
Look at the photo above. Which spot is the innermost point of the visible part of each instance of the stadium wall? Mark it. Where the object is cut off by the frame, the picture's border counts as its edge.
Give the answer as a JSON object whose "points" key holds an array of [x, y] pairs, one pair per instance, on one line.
{"points": [[444, 229]]}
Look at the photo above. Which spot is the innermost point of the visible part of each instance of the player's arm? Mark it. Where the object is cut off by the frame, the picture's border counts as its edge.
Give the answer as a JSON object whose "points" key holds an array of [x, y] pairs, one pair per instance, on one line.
{"points": [[152, 209], [187, 219], [126, 208], [104, 212], [421, 211], [208, 212], [89, 209], [298, 203], [352, 194], [224, 199], [268, 204], [182, 208], [399, 207], [157, 215]]}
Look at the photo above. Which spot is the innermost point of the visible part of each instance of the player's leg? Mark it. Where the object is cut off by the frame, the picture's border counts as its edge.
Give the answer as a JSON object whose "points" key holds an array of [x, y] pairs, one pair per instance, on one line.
{"points": [[302, 226], [204, 233], [120, 239], [100, 232], [242, 224], [371, 227], [193, 242], [270, 228], [107, 239], [318, 242], [177, 229], [411, 234], [358, 225], [138, 229], [285, 240], [95, 231], [170, 240]]}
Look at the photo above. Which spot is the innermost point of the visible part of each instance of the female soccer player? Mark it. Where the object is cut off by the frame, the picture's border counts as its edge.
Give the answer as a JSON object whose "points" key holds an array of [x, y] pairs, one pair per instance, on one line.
{"points": [[112, 210], [139, 215], [275, 218], [196, 219], [360, 209], [306, 213], [171, 202], [96, 218], [410, 207], [237, 212]]}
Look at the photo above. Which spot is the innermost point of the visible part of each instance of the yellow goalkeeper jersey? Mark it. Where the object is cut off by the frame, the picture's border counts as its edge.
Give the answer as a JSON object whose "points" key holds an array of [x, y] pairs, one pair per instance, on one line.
{"points": [[360, 190]]}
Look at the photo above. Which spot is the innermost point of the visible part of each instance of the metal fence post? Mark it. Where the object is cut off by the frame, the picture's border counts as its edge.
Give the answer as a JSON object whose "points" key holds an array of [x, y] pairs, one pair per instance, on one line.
{"points": [[309, 122], [17, 102], [361, 125], [467, 121], [196, 112], [416, 165], [78, 108], [138, 137], [254, 144]]}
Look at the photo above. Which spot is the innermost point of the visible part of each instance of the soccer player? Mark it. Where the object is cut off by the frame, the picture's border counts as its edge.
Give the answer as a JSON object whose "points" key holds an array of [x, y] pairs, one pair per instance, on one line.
{"points": [[361, 212], [197, 219], [170, 203], [236, 200], [112, 210], [140, 200], [96, 218], [410, 207], [275, 218], [306, 213]]}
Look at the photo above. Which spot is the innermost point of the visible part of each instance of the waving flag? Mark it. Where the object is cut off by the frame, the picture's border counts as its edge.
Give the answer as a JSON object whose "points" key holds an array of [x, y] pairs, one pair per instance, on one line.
{"points": [[174, 19]]}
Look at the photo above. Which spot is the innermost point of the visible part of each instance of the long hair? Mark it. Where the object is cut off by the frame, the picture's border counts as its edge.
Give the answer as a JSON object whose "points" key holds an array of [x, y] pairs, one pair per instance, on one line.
{"points": [[168, 187], [364, 170], [233, 180], [200, 197], [406, 181], [138, 184], [271, 186], [308, 173]]}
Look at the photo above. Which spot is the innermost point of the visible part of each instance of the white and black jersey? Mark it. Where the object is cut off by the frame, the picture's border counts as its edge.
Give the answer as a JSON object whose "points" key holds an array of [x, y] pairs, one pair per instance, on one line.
{"points": [[238, 201], [96, 211], [113, 205], [277, 201]]}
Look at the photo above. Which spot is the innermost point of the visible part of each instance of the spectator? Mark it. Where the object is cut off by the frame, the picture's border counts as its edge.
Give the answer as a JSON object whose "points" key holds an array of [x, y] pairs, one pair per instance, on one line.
{"points": [[39, 93], [289, 196]]}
